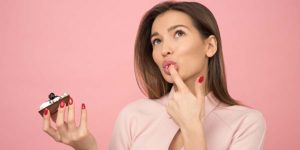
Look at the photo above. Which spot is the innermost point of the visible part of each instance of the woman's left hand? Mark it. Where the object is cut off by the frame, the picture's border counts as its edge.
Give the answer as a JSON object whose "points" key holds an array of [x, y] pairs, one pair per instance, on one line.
{"points": [[185, 108]]}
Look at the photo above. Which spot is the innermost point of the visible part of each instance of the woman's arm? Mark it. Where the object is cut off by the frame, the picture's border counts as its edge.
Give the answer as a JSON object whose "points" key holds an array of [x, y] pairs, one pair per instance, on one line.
{"points": [[66, 131], [193, 137], [187, 110]]}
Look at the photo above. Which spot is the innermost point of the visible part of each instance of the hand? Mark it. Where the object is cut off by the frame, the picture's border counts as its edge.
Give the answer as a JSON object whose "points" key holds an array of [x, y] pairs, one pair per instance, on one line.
{"points": [[67, 132], [185, 108]]}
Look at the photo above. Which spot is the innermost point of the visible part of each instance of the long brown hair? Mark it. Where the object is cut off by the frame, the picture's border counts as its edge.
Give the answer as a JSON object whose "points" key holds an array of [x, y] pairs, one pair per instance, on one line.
{"points": [[148, 75]]}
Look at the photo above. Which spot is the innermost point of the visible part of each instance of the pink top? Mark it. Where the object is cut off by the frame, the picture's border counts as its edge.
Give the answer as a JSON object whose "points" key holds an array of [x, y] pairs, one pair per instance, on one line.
{"points": [[145, 125]]}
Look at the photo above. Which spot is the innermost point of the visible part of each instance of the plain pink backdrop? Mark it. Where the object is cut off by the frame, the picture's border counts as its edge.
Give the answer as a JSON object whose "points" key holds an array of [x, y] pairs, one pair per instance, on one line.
{"points": [[85, 48]]}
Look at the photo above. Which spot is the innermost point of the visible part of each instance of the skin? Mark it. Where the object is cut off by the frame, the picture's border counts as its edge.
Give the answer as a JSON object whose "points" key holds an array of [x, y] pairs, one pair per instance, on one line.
{"points": [[175, 38], [191, 52], [67, 132]]}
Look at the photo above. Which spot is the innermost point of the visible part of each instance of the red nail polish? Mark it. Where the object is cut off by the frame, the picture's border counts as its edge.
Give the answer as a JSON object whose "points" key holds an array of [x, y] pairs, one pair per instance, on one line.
{"points": [[82, 106], [70, 101], [200, 80], [45, 112], [62, 104]]}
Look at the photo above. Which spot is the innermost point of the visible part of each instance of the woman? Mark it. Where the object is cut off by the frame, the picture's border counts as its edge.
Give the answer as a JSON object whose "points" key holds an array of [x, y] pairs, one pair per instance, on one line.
{"points": [[179, 65]]}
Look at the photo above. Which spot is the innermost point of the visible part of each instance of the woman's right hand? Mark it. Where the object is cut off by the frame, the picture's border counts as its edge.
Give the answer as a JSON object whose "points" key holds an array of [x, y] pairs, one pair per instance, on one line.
{"points": [[67, 132]]}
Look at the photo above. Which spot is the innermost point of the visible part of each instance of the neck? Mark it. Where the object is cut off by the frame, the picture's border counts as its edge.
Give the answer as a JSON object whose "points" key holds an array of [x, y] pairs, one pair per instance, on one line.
{"points": [[190, 82]]}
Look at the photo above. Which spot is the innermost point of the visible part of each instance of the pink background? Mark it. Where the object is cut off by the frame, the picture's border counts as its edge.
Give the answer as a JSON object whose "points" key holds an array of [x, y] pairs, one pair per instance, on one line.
{"points": [[85, 48]]}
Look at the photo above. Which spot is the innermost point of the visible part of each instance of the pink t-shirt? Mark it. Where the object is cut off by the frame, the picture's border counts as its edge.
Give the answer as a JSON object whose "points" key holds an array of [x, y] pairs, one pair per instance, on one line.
{"points": [[146, 125]]}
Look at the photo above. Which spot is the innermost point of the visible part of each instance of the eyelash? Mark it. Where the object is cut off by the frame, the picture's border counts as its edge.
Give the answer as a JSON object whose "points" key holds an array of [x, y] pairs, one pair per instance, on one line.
{"points": [[176, 33], [179, 31], [153, 42]]}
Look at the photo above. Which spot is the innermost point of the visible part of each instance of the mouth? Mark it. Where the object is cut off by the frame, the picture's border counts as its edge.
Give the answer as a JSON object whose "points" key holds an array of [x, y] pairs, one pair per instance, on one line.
{"points": [[167, 64]]}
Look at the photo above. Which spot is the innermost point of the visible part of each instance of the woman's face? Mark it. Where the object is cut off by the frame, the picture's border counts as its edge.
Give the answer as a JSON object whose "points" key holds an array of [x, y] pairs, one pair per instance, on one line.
{"points": [[176, 41]]}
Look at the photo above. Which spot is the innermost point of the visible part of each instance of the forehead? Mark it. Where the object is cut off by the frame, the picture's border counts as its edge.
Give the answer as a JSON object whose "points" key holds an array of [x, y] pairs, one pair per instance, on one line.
{"points": [[171, 18]]}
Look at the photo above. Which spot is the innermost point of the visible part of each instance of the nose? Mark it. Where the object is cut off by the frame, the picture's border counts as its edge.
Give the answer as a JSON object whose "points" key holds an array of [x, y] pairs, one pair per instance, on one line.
{"points": [[167, 50]]}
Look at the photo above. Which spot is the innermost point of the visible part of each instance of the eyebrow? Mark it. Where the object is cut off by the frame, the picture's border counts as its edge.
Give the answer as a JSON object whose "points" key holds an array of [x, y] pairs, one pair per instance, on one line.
{"points": [[169, 29]]}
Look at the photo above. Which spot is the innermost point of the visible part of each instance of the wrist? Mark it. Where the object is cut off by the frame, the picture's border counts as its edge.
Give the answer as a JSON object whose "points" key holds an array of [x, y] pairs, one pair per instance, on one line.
{"points": [[88, 143], [193, 136], [194, 126]]}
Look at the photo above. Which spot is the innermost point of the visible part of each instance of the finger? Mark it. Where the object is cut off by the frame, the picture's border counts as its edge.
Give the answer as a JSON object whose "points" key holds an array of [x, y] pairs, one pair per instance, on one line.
{"points": [[83, 118], [177, 79], [200, 87], [71, 114], [47, 125], [60, 119]]}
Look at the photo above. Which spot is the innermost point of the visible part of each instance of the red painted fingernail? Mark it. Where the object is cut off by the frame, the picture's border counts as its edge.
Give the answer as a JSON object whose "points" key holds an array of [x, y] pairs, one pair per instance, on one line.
{"points": [[70, 101], [82, 106], [200, 80], [45, 112], [62, 104]]}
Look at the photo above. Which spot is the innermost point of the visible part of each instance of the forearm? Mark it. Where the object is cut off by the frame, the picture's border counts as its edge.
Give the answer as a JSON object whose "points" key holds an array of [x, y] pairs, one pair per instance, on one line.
{"points": [[193, 137]]}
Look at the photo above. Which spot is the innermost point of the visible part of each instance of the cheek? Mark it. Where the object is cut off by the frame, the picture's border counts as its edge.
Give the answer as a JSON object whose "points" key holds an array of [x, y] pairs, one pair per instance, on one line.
{"points": [[192, 53], [192, 60]]}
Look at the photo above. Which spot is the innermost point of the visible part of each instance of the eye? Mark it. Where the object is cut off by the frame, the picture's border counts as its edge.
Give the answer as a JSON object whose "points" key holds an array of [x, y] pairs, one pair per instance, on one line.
{"points": [[156, 41], [179, 33]]}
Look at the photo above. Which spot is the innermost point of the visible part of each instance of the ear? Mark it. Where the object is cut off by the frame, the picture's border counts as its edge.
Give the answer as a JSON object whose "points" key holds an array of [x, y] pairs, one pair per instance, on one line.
{"points": [[212, 46]]}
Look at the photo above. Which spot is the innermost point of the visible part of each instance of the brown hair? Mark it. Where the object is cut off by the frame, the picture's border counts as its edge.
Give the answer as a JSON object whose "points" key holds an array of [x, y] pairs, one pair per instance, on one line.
{"points": [[148, 75]]}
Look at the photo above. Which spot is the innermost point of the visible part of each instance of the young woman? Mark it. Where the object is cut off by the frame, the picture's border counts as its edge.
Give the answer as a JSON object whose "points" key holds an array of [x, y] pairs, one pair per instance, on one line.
{"points": [[179, 65]]}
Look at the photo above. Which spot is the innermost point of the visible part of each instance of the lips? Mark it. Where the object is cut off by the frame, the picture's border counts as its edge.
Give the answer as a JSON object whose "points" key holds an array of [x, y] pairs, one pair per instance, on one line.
{"points": [[166, 64]]}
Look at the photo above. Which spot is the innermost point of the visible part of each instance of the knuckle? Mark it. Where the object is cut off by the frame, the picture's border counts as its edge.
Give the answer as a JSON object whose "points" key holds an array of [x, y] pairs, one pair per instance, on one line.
{"points": [[60, 111], [71, 121], [80, 137], [170, 104], [77, 138], [185, 91], [83, 133], [45, 128], [168, 111], [66, 141], [175, 96], [71, 108], [58, 138], [59, 124]]}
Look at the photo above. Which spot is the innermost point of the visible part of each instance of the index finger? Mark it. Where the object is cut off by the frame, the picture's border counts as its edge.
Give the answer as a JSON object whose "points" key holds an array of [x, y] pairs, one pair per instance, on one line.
{"points": [[177, 79], [47, 125]]}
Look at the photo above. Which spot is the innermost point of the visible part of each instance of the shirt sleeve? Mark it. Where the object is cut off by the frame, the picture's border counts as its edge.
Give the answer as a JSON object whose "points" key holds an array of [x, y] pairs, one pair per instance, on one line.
{"points": [[251, 132], [121, 135]]}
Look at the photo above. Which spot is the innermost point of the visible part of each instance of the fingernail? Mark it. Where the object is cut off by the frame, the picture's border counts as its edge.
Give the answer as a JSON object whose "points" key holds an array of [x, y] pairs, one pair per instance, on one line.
{"points": [[45, 112], [82, 106], [200, 80], [62, 104], [70, 101]]}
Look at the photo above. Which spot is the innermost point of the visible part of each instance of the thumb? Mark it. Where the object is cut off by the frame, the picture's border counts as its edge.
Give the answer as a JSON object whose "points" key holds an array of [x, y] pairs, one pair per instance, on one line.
{"points": [[200, 88]]}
